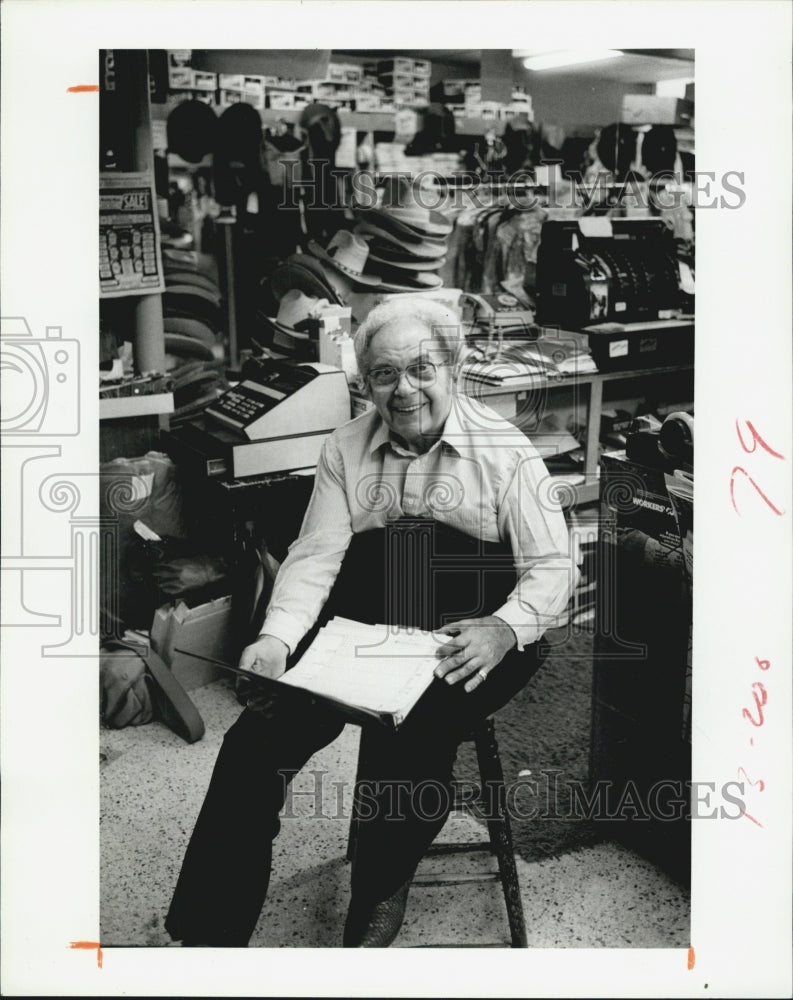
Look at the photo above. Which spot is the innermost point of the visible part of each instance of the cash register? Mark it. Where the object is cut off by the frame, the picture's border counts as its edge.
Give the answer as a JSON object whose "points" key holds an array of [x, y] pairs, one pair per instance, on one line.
{"points": [[275, 419], [620, 282]]}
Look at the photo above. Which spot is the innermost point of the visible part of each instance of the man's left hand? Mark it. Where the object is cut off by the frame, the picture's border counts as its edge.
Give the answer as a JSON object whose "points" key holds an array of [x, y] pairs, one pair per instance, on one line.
{"points": [[476, 646]]}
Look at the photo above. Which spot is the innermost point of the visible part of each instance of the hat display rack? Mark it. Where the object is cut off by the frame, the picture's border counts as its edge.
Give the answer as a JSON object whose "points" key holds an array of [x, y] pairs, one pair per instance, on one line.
{"points": [[192, 320]]}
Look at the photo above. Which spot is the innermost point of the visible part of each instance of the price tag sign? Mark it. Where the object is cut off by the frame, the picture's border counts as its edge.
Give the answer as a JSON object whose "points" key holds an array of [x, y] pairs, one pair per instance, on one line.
{"points": [[129, 236]]}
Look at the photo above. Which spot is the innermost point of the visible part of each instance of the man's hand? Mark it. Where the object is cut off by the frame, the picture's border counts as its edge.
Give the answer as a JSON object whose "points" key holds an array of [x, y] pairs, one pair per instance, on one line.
{"points": [[267, 656], [477, 646]]}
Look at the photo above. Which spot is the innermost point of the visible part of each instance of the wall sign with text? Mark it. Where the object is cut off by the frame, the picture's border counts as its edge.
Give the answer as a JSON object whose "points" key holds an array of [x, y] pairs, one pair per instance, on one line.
{"points": [[129, 237]]}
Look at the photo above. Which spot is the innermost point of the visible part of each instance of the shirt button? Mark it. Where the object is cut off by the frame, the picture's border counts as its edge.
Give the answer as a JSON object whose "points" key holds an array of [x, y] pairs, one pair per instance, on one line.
{"points": [[409, 501]]}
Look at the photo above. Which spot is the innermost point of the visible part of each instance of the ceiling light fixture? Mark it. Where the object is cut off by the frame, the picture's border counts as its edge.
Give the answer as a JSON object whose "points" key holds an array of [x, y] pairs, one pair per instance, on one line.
{"points": [[569, 57]]}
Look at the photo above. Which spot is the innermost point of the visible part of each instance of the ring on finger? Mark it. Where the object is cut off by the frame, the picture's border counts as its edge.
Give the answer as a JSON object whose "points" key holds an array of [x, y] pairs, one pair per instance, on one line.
{"points": [[482, 674]]}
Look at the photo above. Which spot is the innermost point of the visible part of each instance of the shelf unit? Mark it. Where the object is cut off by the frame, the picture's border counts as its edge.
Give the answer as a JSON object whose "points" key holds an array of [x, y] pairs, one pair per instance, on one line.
{"points": [[362, 121], [118, 408], [593, 384], [137, 418]]}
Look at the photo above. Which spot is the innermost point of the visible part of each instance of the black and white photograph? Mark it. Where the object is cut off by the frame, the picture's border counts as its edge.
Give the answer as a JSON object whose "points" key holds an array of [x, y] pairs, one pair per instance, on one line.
{"points": [[370, 468]]}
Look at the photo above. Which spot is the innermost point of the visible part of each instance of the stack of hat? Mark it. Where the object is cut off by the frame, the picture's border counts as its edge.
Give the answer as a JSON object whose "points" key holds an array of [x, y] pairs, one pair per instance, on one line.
{"points": [[191, 307], [331, 273], [407, 242], [192, 320]]}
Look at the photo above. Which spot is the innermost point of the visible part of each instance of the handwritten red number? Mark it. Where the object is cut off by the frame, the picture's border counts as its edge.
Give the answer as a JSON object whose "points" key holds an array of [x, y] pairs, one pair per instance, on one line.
{"points": [[762, 664], [760, 784], [756, 439], [739, 468], [760, 698]]}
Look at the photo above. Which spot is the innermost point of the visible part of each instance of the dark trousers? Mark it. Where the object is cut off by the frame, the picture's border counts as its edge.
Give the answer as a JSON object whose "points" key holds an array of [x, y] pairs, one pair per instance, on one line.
{"points": [[413, 573]]}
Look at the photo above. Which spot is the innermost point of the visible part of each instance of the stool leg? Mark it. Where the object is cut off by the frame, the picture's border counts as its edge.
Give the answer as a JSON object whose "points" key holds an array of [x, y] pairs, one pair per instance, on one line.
{"points": [[500, 831], [352, 837]]}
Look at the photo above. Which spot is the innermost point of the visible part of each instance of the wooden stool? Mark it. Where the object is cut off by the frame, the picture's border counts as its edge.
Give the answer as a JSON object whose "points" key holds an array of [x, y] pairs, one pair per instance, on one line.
{"points": [[499, 843]]}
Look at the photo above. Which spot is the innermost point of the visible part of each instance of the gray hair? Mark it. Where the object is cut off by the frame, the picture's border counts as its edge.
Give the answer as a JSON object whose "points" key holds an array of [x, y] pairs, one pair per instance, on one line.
{"points": [[442, 325]]}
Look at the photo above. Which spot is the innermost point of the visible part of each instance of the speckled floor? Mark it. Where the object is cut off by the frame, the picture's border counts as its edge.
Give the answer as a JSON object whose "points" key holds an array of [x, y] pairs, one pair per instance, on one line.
{"points": [[583, 894]]}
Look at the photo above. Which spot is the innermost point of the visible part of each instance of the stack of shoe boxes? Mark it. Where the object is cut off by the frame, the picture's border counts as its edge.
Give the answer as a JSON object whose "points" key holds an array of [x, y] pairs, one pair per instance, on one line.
{"points": [[406, 81]]}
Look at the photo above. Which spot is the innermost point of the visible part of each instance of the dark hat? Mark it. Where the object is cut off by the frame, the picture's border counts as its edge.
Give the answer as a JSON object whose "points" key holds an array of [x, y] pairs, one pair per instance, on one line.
{"points": [[191, 130], [378, 263], [192, 278], [306, 273], [189, 260], [190, 328], [321, 122], [405, 238], [616, 148], [394, 249], [659, 149], [408, 280], [183, 346], [239, 134], [237, 164], [193, 303]]}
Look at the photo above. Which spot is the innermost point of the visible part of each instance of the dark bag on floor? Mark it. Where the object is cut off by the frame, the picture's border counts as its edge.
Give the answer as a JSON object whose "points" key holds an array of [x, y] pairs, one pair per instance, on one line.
{"points": [[136, 686]]}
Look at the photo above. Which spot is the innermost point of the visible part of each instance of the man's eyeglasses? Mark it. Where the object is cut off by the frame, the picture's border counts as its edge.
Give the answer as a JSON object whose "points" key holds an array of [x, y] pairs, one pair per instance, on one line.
{"points": [[420, 374]]}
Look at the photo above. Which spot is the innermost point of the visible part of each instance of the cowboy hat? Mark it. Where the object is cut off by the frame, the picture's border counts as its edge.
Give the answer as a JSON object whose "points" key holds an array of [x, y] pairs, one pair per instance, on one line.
{"points": [[306, 273], [392, 253], [410, 280], [413, 222], [296, 309], [369, 227], [376, 264], [403, 209], [346, 252], [291, 329]]}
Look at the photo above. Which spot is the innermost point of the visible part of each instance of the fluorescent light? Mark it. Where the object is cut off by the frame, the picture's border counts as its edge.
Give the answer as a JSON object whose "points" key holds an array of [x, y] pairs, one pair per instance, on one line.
{"points": [[569, 57]]}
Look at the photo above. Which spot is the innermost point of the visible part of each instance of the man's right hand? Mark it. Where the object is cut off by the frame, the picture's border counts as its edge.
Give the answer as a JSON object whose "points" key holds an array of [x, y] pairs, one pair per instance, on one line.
{"points": [[267, 656]]}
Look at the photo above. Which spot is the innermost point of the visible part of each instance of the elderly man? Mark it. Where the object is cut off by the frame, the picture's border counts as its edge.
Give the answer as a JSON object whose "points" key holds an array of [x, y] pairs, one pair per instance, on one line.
{"points": [[426, 511]]}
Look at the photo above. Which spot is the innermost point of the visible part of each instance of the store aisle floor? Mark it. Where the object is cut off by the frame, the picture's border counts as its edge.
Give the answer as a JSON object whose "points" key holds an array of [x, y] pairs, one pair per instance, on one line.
{"points": [[576, 894]]}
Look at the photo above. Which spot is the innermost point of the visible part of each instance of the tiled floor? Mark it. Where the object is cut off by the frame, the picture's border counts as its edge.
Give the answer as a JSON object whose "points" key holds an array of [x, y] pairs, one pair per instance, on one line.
{"points": [[152, 786]]}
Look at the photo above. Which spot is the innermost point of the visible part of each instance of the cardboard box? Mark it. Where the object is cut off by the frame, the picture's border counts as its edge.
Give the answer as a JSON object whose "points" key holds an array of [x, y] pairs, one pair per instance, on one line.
{"points": [[649, 109], [180, 78], [204, 81], [231, 81], [228, 97], [203, 629], [278, 100], [345, 72], [367, 102], [179, 58], [255, 100], [253, 85], [399, 65], [335, 343]]}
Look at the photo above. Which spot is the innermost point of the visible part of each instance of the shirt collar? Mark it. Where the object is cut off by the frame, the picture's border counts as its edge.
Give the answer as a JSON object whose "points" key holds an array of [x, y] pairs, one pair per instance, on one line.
{"points": [[452, 432]]}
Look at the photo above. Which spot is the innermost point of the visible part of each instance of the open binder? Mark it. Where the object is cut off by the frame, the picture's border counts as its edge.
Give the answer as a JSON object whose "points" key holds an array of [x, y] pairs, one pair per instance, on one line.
{"points": [[367, 672]]}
